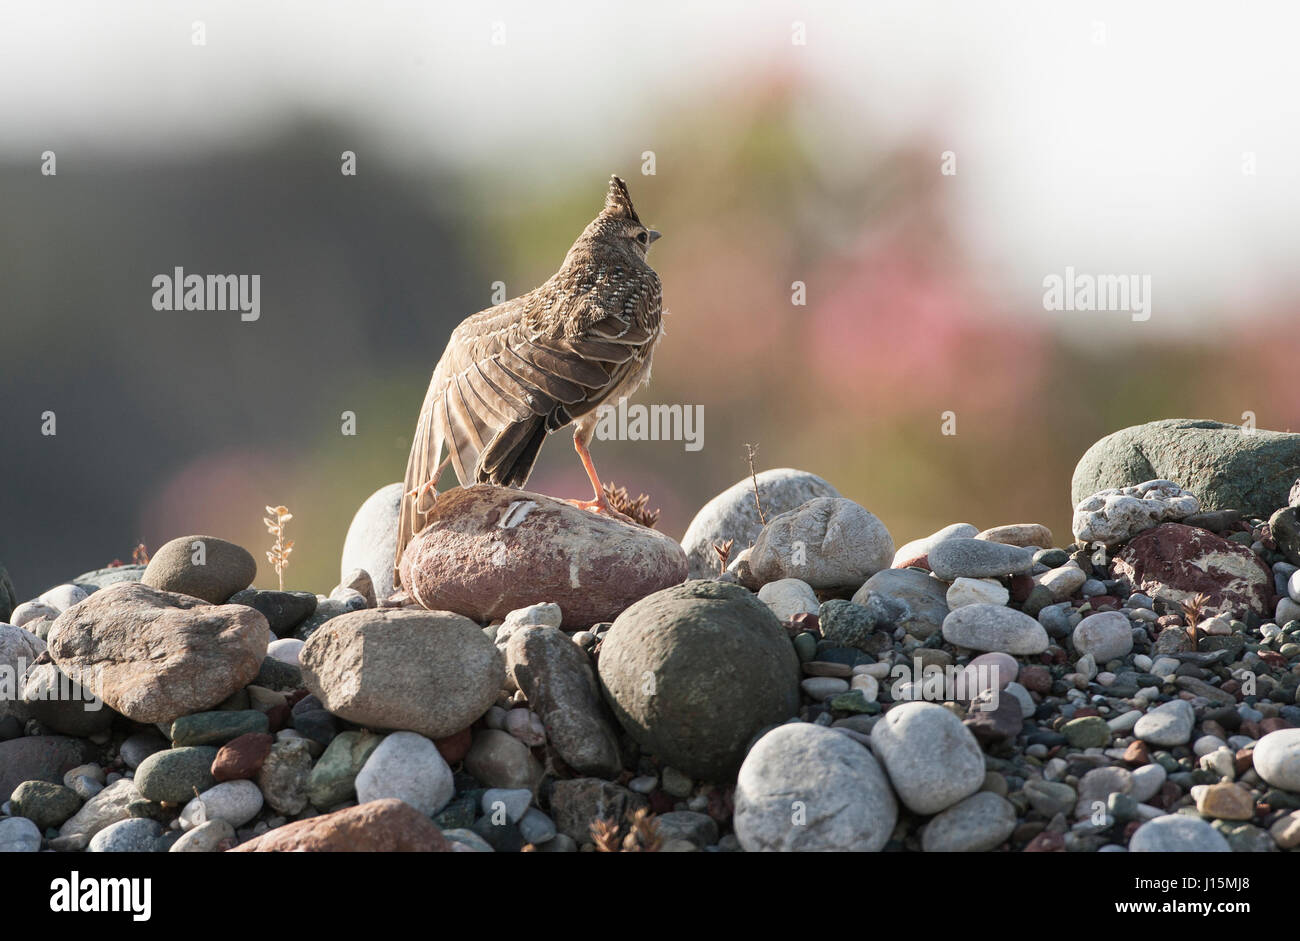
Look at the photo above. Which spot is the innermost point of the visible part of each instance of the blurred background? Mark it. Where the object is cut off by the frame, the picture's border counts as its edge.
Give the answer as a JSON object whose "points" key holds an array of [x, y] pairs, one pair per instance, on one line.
{"points": [[791, 142]]}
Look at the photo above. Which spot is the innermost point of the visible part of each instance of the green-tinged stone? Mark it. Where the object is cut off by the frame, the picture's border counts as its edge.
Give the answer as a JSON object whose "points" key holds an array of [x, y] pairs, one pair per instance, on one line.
{"points": [[1281, 800], [148, 809], [1052, 558], [459, 814], [1088, 732], [1225, 467], [1122, 807], [217, 728], [276, 674], [853, 701], [174, 774], [1040, 596], [1245, 837], [44, 804], [856, 625], [1050, 798], [333, 780], [1165, 760], [805, 645]]}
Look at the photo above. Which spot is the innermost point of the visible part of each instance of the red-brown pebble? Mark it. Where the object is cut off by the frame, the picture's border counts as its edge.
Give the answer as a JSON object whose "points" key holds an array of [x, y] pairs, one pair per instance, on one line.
{"points": [[241, 758], [1021, 586], [1036, 679], [1138, 753], [454, 748]]}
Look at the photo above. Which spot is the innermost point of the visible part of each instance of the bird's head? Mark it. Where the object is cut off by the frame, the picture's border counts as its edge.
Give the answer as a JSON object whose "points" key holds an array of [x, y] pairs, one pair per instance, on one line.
{"points": [[618, 225]]}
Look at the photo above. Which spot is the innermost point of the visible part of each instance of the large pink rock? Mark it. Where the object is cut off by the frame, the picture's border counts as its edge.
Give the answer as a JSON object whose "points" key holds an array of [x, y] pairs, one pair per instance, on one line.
{"points": [[155, 655], [381, 826], [489, 550], [1175, 563]]}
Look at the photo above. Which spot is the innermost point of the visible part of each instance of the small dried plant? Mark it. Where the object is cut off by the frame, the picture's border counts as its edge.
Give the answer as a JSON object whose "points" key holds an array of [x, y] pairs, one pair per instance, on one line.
{"points": [[642, 834], [723, 549], [279, 553], [638, 510], [1194, 613], [140, 554], [604, 833], [751, 452]]}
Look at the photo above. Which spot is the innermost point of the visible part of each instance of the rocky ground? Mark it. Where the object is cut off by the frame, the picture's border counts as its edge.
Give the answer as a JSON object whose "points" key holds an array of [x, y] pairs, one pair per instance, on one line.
{"points": [[557, 681]]}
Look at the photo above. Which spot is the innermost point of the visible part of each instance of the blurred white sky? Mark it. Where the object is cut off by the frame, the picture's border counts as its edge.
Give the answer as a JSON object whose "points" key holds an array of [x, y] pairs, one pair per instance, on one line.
{"points": [[1120, 157]]}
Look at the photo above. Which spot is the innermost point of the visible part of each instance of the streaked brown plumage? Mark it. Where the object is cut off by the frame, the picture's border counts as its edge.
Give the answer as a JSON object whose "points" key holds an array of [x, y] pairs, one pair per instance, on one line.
{"points": [[516, 372]]}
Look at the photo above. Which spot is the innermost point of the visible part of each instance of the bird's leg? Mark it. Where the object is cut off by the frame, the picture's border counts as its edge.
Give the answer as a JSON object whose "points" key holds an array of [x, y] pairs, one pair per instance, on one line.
{"points": [[430, 486], [599, 504]]}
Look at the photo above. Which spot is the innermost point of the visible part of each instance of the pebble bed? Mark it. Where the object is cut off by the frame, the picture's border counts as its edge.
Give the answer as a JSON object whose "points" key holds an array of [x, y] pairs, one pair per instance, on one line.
{"points": [[816, 688]]}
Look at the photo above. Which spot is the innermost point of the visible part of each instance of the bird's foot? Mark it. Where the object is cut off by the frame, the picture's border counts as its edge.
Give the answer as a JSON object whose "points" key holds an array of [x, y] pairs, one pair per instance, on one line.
{"points": [[428, 488], [598, 505], [601, 505]]}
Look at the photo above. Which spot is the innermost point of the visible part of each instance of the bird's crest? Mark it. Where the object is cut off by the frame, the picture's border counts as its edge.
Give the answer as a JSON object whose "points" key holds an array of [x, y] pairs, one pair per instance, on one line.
{"points": [[618, 203]]}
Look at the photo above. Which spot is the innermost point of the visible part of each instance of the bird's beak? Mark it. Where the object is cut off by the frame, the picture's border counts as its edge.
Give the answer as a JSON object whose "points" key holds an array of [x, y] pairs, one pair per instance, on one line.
{"points": [[654, 236]]}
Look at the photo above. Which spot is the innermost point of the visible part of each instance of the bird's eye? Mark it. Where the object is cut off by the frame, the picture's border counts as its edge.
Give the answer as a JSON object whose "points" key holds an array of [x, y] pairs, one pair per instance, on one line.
{"points": [[642, 238]]}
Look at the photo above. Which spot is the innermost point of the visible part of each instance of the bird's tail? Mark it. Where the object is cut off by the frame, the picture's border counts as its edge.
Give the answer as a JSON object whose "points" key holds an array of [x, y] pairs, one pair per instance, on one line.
{"points": [[422, 468], [508, 459]]}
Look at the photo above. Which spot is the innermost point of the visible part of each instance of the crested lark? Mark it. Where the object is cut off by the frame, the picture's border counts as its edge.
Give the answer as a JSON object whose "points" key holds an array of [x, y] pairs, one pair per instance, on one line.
{"points": [[516, 372]]}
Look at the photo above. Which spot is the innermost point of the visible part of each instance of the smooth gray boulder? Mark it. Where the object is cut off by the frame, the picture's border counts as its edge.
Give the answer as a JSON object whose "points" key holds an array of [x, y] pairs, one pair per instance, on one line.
{"points": [[371, 542], [733, 515], [1225, 466], [695, 671]]}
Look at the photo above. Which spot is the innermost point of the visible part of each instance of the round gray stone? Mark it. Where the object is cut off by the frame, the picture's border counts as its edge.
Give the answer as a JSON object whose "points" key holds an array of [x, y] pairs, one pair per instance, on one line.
{"points": [[1167, 725], [1107, 635], [1277, 759], [225, 568], [371, 541], [932, 760], [807, 788], [828, 542], [19, 835], [431, 672], [995, 627], [973, 825], [733, 515], [1177, 833], [205, 838], [410, 768], [134, 835]]}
